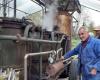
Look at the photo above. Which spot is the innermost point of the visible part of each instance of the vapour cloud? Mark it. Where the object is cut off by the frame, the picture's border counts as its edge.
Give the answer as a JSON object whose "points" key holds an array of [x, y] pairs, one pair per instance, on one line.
{"points": [[49, 17]]}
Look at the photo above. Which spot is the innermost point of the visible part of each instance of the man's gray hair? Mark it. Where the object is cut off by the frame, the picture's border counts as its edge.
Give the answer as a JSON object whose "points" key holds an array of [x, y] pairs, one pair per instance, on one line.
{"points": [[85, 28]]}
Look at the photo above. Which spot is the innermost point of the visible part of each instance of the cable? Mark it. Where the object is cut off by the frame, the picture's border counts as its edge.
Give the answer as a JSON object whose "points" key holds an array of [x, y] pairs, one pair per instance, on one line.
{"points": [[90, 8]]}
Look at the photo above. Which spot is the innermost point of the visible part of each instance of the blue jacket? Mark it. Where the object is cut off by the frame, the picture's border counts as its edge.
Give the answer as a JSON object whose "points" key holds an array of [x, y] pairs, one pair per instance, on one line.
{"points": [[89, 56]]}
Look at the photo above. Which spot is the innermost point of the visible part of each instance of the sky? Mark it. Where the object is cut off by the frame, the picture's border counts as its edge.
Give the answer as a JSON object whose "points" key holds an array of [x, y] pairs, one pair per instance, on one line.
{"points": [[95, 17]]}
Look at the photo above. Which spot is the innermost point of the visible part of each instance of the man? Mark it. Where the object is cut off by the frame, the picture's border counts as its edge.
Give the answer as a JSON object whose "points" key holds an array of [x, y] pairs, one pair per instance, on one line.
{"points": [[97, 32], [88, 54]]}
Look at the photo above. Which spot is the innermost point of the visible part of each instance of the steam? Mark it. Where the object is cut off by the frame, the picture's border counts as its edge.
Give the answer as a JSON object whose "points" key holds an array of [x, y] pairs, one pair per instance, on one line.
{"points": [[49, 17]]}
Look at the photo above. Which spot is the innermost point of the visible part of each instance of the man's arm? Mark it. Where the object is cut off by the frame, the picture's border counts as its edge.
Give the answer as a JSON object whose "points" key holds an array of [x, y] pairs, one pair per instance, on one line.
{"points": [[75, 51]]}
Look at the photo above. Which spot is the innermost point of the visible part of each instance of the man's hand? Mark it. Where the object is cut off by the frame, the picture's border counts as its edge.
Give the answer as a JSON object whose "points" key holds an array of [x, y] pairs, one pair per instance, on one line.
{"points": [[93, 71]]}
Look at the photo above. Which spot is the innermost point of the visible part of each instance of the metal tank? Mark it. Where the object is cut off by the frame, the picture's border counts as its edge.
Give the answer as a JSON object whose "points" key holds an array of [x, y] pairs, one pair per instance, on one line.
{"points": [[19, 37]]}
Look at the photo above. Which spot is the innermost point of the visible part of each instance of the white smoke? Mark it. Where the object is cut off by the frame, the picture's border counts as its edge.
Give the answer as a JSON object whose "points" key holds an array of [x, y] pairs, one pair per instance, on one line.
{"points": [[49, 17]]}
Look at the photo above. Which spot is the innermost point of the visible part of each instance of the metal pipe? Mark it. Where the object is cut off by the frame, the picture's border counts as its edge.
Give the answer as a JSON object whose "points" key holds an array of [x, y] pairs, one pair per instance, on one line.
{"points": [[40, 62], [26, 31], [14, 8], [52, 34], [36, 54], [6, 37], [4, 8], [13, 75], [40, 67], [32, 54], [68, 59], [59, 50], [10, 74]]}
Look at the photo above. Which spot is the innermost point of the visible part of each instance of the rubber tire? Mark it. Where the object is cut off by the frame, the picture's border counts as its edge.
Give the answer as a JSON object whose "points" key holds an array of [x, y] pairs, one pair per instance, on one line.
{"points": [[73, 70]]}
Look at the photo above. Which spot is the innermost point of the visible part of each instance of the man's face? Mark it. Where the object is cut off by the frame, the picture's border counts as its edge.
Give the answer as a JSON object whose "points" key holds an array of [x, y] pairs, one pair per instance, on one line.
{"points": [[83, 35], [98, 33]]}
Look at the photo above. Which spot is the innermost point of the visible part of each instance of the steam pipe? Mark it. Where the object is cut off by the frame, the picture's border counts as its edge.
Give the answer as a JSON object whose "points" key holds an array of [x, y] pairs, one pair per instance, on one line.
{"points": [[4, 8], [57, 52], [26, 31], [40, 68], [14, 8], [39, 54], [32, 54], [6, 37]]}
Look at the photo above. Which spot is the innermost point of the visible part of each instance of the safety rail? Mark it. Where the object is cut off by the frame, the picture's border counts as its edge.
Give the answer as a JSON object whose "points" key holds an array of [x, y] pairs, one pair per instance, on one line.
{"points": [[38, 54], [7, 37], [66, 61]]}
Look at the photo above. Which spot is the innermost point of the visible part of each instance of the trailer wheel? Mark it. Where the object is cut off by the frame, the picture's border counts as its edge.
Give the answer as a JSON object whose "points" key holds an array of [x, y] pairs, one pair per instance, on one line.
{"points": [[73, 70]]}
